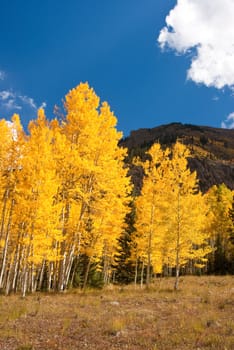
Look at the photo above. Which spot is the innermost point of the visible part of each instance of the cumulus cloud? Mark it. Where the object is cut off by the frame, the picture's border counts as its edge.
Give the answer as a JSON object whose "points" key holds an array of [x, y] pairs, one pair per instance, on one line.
{"points": [[228, 123], [203, 28], [11, 100]]}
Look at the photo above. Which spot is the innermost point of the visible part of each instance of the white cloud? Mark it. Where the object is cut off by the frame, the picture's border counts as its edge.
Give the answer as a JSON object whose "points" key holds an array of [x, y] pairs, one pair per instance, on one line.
{"points": [[11, 101], [205, 29], [43, 105], [2, 75], [6, 94], [228, 123], [11, 104], [8, 100], [28, 101]]}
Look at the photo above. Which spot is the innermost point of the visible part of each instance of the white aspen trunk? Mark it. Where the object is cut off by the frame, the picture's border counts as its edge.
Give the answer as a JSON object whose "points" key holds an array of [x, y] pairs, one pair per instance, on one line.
{"points": [[177, 278], [4, 260], [18, 259], [13, 270], [106, 270], [10, 273], [8, 282], [19, 268], [70, 260], [25, 274], [25, 283], [142, 274], [63, 262], [33, 279], [3, 216], [105, 267], [149, 252], [178, 245], [50, 273], [5, 250], [74, 269], [13, 285], [41, 274], [61, 276], [136, 272]]}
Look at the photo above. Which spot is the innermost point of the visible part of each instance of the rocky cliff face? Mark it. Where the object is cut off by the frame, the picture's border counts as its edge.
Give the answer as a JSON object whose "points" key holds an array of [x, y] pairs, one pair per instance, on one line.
{"points": [[212, 150]]}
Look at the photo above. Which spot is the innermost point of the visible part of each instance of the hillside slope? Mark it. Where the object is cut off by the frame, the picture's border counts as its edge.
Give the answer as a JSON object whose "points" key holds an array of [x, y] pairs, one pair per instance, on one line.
{"points": [[212, 150]]}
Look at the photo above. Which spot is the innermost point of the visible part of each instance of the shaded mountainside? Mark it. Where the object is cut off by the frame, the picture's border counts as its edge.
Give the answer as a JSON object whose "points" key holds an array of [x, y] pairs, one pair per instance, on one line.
{"points": [[212, 150]]}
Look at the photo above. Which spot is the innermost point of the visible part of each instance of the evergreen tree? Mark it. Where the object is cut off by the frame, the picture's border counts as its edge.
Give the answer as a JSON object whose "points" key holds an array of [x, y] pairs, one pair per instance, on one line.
{"points": [[220, 201]]}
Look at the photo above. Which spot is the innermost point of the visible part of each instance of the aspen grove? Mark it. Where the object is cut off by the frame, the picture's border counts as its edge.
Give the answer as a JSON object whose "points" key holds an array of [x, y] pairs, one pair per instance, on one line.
{"points": [[65, 194], [59, 198]]}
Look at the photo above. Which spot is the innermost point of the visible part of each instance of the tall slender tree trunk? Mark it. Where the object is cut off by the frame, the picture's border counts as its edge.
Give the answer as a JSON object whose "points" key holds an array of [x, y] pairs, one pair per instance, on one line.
{"points": [[149, 251], [177, 265], [148, 269], [70, 259], [3, 216], [61, 276], [142, 274], [41, 275], [136, 272], [176, 285], [5, 250], [50, 274], [25, 283], [86, 273], [18, 268], [74, 269], [11, 279], [9, 275]]}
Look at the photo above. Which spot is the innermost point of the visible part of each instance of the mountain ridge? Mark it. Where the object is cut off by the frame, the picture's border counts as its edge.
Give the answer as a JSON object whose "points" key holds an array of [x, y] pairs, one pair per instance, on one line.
{"points": [[212, 150]]}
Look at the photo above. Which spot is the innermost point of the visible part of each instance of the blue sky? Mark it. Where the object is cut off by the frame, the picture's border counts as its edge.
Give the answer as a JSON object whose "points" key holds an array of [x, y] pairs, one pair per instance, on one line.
{"points": [[49, 47]]}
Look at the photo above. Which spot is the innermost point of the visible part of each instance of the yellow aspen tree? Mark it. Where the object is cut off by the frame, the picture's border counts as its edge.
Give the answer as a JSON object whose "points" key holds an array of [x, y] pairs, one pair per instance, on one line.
{"points": [[186, 214], [171, 213], [108, 207], [107, 214], [5, 189], [88, 185], [39, 186], [10, 167], [149, 235]]}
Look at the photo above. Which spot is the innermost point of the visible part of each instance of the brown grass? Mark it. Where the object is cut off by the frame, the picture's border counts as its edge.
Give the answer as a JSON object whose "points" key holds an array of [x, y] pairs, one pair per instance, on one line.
{"points": [[199, 316]]}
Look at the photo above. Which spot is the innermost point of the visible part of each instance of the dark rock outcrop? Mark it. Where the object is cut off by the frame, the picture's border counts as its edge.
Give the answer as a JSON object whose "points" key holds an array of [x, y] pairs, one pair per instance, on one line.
{"points": [[212, 150]]}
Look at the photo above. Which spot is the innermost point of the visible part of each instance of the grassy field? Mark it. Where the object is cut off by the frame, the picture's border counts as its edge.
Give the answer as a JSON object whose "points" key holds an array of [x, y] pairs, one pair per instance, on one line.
{"points": [[198, 316]]}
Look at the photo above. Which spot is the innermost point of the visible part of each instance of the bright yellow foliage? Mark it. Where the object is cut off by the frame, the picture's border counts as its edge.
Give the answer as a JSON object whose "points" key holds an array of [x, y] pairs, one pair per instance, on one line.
{"points": [[66, 192], [171, 212]]}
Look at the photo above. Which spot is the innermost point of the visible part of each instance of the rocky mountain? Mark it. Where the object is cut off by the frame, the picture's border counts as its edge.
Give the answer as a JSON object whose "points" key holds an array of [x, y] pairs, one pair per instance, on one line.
{"points": [[212, 150]]}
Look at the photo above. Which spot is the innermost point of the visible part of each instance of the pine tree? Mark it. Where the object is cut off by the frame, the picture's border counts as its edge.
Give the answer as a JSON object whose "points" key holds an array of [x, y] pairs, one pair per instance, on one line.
{"points": [[220, 200]]}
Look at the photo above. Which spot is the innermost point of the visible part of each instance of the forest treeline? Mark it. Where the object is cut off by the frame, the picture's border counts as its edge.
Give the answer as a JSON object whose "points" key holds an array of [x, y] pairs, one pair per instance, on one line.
{"points": [[69, 216]]}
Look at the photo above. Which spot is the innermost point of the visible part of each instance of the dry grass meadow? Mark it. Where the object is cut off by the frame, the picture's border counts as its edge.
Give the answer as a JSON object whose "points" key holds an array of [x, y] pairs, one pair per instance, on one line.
{"points": [[198, 316]]}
